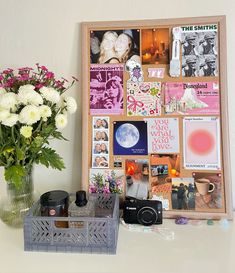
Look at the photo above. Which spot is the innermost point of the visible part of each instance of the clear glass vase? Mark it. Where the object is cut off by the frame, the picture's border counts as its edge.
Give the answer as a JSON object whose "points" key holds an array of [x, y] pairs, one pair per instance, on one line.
{"points": [[18, 201]]}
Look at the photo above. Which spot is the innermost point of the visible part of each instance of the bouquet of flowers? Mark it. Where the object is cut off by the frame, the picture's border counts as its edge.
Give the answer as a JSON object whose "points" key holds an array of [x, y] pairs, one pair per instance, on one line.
{"points": [[33, 109]]}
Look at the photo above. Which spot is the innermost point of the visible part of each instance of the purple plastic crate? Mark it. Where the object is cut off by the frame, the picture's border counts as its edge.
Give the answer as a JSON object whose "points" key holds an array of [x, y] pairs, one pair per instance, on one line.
{"points": [[95, 234]]}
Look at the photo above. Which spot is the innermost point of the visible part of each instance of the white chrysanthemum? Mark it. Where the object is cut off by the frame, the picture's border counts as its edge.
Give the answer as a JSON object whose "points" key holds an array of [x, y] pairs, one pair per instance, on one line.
{"points": [[71, 105], [61, 103], [8, 100], [50, 94], [27, 95], [30, 114], [11, 120], [26, 131], [45, 111], [4, 113], [61, 121], [2, 91]]}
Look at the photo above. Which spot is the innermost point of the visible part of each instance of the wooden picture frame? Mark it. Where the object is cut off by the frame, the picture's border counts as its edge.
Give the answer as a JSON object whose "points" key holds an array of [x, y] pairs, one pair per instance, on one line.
{"points": [[223, 206]]}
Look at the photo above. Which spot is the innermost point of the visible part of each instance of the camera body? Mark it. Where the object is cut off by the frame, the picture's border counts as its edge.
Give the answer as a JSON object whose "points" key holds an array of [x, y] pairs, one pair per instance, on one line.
{"points": [[144, 212]]}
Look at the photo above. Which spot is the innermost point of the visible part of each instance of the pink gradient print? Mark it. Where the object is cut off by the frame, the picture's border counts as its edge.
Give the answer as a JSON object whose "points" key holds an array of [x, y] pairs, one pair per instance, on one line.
{"points": [[201, 143]]}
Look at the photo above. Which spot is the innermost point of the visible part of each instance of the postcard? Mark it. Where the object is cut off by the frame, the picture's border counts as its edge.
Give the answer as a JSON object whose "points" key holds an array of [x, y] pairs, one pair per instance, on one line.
{"points": [[192, 98], [200, 50], [183, 193], [163, 135], [201, 143], [106, 89], [106, 181], [208, 190], [137, 178], [143, 99], [114, 46], [155, 46], [130, 138]]}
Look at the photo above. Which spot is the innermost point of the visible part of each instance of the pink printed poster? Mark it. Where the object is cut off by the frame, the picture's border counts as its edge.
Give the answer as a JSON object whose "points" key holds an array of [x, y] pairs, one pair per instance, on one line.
{"points": [[143, 99], [201, 143], [163, 135], [192, 98], [106, 89]]}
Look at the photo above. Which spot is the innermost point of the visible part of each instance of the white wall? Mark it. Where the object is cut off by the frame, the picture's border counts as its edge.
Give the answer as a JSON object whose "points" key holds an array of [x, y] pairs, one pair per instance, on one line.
{"points": [[49, 32]]}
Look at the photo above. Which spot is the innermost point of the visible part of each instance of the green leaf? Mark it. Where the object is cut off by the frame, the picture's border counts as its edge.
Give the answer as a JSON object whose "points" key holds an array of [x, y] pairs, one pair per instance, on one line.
{"points": [[14, 175], [19, 154], [50, 158], [58, 135]]}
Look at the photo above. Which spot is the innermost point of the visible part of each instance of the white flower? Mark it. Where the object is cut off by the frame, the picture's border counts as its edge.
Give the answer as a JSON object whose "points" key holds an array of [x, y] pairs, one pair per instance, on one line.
{"points": [[27, 95], [30, 114], [50, 94], [71, 104], [4, 113], [11, 120], [61, 121], [26, 131], [2, 91], [8, 100], [45, 112], [61, 103]]}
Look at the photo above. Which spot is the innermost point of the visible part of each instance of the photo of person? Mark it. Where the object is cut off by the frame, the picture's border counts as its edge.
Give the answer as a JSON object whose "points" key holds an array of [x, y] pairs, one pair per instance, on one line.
{"points": [[208, 190], [114, 46], [100, 122], [97, 135], [155, 46], [199, 51], [104, 136], [97, 148], [106, 96], [183, 193], [100, 162]]}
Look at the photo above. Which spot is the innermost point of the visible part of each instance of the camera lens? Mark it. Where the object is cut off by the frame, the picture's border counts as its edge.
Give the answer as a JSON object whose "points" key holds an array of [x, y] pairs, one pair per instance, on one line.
{"points": [[147, 216]]}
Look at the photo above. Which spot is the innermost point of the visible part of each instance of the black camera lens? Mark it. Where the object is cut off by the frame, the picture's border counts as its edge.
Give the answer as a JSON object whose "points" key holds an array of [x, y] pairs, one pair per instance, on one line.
{"points": [[147, 216]]}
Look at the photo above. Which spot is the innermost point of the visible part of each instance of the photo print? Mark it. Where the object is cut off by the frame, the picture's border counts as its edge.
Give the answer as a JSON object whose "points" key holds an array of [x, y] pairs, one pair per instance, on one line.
{"points": [[106, 181], [201, 143], [208, 190], [130, 138], [200, 50], [163, 135], [106, 89], [114, 46], [155, 46], [137, 178], [143, 99], [192, 98], [100, 142], [163, 167], [183, 193]]}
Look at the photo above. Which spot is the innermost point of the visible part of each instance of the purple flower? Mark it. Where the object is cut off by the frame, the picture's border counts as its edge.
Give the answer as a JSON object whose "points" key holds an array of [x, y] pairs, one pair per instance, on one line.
{"points": [[1, 78], [39, 85], [49, 75], [43, 68]]}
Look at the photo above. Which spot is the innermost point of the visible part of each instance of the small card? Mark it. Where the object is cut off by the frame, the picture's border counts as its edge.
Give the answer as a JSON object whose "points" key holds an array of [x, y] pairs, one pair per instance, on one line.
{"points": [[143, 99]]}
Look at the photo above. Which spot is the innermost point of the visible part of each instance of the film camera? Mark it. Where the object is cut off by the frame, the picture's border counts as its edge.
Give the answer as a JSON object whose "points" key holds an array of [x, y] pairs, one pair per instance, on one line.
{"points": [[144, 212]]}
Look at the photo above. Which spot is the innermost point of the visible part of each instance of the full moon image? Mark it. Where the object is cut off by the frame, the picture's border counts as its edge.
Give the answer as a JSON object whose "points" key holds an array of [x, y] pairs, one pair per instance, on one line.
{"points": [[127, 135]]}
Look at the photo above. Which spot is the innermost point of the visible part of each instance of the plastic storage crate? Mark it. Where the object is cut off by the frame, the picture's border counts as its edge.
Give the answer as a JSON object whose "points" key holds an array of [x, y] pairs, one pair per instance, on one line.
{"points": [[95, 234]]}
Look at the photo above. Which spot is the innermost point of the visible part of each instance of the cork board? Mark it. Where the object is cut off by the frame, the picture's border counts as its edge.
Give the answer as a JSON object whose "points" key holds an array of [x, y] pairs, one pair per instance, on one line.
{"points": [[155, 121]]}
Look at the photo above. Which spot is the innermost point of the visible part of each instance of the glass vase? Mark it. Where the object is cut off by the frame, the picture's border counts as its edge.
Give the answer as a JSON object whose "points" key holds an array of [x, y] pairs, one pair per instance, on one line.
{"points": [[17, 202]]}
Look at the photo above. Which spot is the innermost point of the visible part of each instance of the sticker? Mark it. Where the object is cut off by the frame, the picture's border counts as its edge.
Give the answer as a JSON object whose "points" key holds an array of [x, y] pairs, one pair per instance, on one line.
{"points": [[144, 99], [208, 190], [201, 143], [156, 73], [106, 181], [155, 46], [117, 163], [130, 138], [183, 193], [175, 61], [200, 50], [192, 98], [135, 71], [137, 178], [100, 142], [163, 135], [106, 89]]}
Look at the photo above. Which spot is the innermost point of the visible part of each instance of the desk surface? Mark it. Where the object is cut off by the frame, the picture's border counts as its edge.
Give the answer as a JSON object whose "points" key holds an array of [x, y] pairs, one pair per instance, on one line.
{"points": [[195, 249]]}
